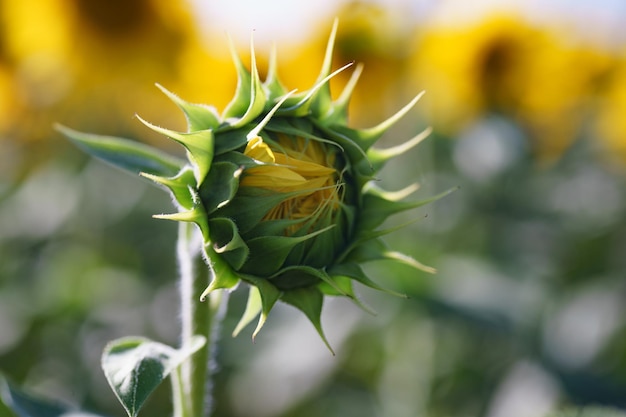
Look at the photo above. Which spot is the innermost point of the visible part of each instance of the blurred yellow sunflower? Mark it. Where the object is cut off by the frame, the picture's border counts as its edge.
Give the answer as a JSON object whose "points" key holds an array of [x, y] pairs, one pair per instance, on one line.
{"points": [[376, 38], [505, 65], [379, 38], [61, 54], [459, 63], [610, 124]]}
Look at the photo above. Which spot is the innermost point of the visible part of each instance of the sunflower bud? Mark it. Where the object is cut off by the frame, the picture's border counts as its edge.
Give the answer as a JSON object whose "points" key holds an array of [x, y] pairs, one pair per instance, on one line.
{"points": [[281, 189]]}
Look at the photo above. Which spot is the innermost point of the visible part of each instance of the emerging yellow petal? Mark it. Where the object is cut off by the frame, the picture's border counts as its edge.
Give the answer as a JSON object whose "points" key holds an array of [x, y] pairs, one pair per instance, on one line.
{"points": [[258, 150], [298, 165]]}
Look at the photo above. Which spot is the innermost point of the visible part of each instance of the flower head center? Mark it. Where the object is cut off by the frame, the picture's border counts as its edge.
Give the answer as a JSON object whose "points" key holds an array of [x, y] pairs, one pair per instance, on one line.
{"points": [[304, 170]]}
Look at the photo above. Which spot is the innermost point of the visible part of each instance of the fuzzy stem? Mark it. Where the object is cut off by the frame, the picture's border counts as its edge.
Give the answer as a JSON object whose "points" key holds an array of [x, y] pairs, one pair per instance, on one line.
{"points": [[192, 381]]}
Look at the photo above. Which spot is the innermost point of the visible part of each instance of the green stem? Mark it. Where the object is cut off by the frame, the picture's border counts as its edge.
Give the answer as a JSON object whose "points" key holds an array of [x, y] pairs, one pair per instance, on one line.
{"points": [[192, 381]]}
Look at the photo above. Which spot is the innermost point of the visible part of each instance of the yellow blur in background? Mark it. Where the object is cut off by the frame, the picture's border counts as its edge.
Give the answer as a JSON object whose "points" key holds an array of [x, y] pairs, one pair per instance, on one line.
{"points": [[93, 64]]}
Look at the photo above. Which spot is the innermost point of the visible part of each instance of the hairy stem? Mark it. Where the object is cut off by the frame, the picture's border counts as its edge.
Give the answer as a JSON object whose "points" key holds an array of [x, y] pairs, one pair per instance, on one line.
{"points": [[192, 381]]}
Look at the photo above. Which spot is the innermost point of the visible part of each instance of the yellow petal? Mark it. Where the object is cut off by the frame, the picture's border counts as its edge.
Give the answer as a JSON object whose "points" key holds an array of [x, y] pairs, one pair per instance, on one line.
{"points": [[257, 149]]}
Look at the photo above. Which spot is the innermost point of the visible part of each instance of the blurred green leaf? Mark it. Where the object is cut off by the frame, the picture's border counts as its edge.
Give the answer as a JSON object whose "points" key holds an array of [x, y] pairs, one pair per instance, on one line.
{"points": [[26, 405], [126, 154], [136, 366]]}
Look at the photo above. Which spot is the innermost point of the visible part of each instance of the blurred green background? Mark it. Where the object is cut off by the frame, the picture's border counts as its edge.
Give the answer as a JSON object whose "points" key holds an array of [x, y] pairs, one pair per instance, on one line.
{"points": [[528, 104]]}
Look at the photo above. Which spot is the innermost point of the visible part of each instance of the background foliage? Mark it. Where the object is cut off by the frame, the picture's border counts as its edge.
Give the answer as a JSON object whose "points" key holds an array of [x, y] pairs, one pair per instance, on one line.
{"points": [[526, 314]]}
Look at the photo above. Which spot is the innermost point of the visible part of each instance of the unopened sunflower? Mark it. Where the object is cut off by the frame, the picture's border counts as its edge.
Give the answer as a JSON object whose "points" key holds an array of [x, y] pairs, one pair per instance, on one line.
{"points": [[280, 187]]}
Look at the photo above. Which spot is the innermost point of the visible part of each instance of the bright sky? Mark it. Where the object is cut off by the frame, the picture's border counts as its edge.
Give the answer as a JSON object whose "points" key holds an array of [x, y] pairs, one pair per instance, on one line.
{"points": [[271, 20], [293, 20]]}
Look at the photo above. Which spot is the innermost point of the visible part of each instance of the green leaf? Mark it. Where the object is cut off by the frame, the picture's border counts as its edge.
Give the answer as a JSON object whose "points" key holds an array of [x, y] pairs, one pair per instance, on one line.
{"points": [[26, 405], [135, 366], [126, 154], [309, 301]]}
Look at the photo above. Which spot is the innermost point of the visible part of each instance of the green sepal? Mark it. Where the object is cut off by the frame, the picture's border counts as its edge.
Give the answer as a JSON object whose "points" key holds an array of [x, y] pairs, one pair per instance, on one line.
{"points": [[271, 227], [230, 140], [348, 218], [378, 205], [237, 158], [322, 101], [136, 366], [376, 250], [353, 271], [309, 301], [330, 242], [253, 308], [220, 185], [269, 295], [199, 116], [268, 253], [347, 143], [274, 89], [251, 205], [338, 112], [249, 100], [227, 242], [365, 234], [379, 157], [195, 215], [407, 260], [299, 105], [223, 275], [24, 404], [199, 147], [346, 288], [256, 130], [298, 128], [128, 155], [367, 137], [303, 273], [181, 187], [321, 250]]}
